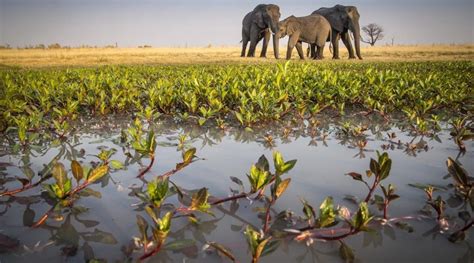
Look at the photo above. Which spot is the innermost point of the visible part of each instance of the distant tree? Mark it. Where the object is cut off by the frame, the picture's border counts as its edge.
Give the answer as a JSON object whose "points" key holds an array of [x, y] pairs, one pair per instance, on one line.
{"points": [[54, 46], [374, 33]]}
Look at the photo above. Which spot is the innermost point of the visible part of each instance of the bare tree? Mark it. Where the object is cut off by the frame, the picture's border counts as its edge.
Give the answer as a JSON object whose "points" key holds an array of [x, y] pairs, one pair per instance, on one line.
{"points": [[374, 33]]}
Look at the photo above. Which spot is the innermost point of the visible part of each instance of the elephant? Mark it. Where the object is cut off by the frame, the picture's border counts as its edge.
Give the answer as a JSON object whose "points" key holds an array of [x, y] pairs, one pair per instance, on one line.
{"points": [[342, 19], [257, 25], [312, 29]]}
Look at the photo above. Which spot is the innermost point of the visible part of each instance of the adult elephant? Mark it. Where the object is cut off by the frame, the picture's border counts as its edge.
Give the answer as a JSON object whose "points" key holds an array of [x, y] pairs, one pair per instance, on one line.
{"points": [[257, 25], [342, 19]]}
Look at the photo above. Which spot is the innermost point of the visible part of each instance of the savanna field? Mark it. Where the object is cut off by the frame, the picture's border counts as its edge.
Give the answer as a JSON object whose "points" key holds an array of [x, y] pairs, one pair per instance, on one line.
{"points": [[196, 154]]}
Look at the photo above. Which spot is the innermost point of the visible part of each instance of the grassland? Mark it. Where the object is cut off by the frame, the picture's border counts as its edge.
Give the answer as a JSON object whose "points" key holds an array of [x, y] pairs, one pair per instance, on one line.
{"points": [[77, 57]]}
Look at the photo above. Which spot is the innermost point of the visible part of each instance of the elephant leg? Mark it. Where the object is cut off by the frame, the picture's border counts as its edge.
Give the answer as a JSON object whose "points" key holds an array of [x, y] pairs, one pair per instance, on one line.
{"points": [[291, 44], [308, 51], [320, 52], [254, 38], [266, 39], [313, 51], [245, 41], [335, 45], [347, 42], [299, 48]]}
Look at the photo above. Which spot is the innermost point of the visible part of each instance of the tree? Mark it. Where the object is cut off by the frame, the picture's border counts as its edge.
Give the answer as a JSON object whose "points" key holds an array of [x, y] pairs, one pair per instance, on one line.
{"points": [[374, 33]]}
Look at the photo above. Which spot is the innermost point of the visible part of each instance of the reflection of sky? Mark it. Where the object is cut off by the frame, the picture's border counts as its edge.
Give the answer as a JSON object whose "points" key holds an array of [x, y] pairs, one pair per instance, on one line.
{"points": [[217, 22]]}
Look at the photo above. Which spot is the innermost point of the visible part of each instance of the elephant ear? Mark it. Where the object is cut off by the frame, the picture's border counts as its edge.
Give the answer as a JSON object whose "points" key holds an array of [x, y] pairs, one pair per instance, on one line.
{"points": [[292, 27], [258, 18], [339, 20]]}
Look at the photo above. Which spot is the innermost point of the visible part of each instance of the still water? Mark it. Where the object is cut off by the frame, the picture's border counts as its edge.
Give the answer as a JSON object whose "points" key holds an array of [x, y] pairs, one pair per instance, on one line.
{"points": [[103, 226]]}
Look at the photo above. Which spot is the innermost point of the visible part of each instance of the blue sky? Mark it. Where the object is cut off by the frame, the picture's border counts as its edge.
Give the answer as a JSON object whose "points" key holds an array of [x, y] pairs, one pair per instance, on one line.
{"points": [[218, 22]]}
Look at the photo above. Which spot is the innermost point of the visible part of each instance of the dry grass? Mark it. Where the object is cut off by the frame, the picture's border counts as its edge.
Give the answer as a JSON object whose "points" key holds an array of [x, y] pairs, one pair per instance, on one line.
{"points": [[215, 55]]}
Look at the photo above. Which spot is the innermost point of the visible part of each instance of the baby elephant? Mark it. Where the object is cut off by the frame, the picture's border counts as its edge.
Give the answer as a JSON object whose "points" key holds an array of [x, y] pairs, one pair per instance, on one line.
{"points": [[314, 30]]}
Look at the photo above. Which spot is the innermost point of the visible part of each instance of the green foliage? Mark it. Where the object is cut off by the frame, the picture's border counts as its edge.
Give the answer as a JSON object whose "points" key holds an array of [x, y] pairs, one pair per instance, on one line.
{"points": [[63, 185], [247, 94], [158, 191], [361, 218], [199, 201], [258, 178], [258, 244]]}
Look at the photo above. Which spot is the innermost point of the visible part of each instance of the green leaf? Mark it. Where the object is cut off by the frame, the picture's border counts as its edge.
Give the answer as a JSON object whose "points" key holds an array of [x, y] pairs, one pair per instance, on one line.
{"points": [[288, 166], [346, 253], [199, 201], [308, 210], [151, 212], [117, 165], [282, 186], [77, 170], [151, 142], [89, 192], [457, 172], [97, 173], [59, 174], [237, 180], [362, 217], [385, 169], [223, 250], [100, 237], [239, 117], [181, 244], [278, 161], [262, 163], [158, 190], [327, 216], [374, 166], [189, 155], [258, 178], [143, 228], [355, 176]]}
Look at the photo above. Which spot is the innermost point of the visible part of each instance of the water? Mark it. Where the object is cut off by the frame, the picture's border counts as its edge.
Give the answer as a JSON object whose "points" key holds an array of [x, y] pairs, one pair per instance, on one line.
{"points": [[109, 224]]}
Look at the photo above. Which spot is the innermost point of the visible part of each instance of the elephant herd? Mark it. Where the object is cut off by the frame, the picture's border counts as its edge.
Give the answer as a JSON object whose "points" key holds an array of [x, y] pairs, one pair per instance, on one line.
{"points": [[325, 24]]}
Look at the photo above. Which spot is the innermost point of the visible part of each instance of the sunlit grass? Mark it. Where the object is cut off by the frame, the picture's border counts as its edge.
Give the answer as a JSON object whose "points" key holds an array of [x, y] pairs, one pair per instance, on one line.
{"points": [[212, 55]]}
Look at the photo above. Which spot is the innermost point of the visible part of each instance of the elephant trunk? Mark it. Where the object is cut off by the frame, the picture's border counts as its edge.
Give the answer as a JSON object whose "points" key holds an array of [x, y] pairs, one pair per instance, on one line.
{"points": [[276, 44], [356, 31]]}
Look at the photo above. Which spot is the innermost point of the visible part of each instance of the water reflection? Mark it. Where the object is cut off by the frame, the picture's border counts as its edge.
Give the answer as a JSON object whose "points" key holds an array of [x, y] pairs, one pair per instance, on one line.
{"points": [[80, 231]]}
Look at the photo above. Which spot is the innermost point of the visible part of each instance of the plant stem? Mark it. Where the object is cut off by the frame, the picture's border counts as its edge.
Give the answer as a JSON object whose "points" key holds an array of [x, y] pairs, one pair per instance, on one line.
{"points": [[339, 237], [385, 208], [231, 198], [142, 173], [43, 218], [465, 228], [19, 190], [267, 217], [372, 189], [152, 252]]}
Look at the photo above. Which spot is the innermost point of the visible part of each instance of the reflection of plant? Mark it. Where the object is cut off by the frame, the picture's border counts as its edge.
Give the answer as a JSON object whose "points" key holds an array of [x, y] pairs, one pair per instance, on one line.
{"points": [[63, 192], [461, 132], [464, 194]]}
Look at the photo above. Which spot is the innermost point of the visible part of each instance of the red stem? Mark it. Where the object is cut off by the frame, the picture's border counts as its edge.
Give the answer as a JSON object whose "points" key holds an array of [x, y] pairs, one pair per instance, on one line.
{"points": [[142, 173], [385, 208], [151, 253], [371, 191], [231, 198], [267, 217], [19, 190], [333, 238]]}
